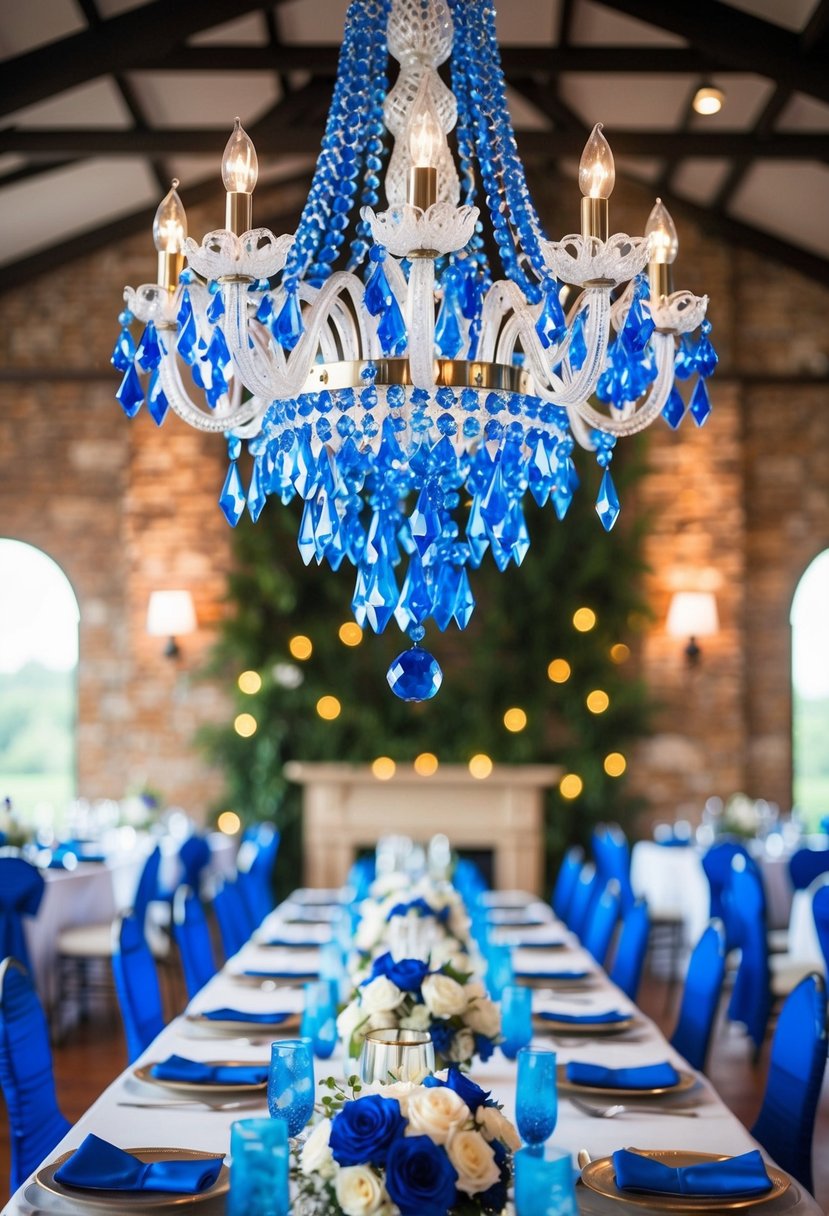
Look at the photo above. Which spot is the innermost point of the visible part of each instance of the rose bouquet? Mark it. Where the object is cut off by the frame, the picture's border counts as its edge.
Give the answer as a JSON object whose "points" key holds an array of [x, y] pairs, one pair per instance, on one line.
{"points": [[435, 1149], [432, 911], [449, 1003]]}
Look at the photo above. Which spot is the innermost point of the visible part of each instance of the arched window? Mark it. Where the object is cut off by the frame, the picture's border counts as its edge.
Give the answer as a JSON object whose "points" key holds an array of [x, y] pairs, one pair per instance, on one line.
{"points": [[810, 688], [38, 661]]}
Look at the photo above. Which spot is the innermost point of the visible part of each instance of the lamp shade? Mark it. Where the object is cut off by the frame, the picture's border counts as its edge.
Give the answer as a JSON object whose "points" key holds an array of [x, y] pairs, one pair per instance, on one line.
{"points": [[170, 614], [693, 614]]}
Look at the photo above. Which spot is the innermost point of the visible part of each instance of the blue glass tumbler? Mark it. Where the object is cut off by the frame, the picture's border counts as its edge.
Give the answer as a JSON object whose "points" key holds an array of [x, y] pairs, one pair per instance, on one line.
{"points": [[544, 1182], [516, 1019], [291, 1083], [536, 1095], [498, 969], [259, 1168], [319, 1017]]}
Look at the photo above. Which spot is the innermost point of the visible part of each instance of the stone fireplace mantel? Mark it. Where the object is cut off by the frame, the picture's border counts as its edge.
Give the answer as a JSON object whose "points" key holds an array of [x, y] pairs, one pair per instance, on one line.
{"points": [[345, 808]]}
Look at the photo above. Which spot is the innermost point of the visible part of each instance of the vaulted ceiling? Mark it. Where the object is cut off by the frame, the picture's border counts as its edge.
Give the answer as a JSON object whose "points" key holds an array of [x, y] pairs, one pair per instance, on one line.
{"points": [[103, 101]]}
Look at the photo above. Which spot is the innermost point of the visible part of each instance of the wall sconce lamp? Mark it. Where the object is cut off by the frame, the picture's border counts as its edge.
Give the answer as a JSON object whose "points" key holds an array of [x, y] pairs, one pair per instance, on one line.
{"points": [[692, 615], [170, 614]]}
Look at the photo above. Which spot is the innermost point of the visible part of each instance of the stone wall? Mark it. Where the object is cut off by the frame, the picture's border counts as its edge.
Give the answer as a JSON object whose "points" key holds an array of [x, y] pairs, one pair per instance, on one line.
{"points": [[739, 506]]}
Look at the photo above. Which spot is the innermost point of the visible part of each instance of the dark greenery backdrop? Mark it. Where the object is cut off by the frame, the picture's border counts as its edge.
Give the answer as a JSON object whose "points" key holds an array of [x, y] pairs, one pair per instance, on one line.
{"points": [[523, 620]]}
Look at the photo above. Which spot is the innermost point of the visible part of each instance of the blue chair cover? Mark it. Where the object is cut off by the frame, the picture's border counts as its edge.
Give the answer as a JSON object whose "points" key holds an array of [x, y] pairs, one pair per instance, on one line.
{"points": [[147, 888], [786, 1121], [602, 922], [21, 890], [26, 1078], [194, 858], [255, 863], [235, 921], [611, 853], [629, 960], [136, 984], [751, 995], [700, 996], [585, 894], [820, 911], [192, 934], [566, 879], [717, 867], [805, 865]]}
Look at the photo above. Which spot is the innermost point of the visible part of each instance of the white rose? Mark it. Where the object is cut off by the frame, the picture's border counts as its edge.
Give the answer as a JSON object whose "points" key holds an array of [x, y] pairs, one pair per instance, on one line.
{"points": [[437, 1112], [474, 988], [418, 1019], [496, 1126], [475, 1162], [484, 1017], [359, 1191], [349, 1019], [444, 996], [380, 995], [401, 1090], [446, 951], [462, 1046], [316, 1157]]}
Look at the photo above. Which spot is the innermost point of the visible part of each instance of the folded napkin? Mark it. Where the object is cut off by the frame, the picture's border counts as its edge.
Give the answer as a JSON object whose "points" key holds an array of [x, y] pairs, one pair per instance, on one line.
{"points": [[292, 943], [242, 1015], [539, 943], [604, 1015], [551, 975], [268, 974], [644, 1076], [743, 1175], [179, 1068], [99, 1165]]}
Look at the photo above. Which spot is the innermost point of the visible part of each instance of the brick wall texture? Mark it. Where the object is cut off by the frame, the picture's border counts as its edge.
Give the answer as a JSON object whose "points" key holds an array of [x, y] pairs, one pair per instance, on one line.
{"points": [[740, 506]]}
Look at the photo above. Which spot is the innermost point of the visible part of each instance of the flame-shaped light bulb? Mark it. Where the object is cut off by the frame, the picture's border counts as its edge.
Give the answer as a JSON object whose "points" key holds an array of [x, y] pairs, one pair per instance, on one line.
{"points": [[426, 144], [597, 172], [661, 232], [170, 223], [240, 167]]}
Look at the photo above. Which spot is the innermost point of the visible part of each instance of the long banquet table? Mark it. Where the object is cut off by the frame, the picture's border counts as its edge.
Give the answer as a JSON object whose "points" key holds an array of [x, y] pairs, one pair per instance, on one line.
{"points": [[715, 1129]]}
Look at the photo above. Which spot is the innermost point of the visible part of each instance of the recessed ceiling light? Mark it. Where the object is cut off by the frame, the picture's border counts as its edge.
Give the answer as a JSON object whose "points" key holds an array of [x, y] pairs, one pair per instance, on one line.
{"points": [[708, 99]]}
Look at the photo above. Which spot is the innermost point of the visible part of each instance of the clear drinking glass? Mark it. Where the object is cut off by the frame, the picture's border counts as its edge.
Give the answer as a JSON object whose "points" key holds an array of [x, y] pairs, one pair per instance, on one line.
{"points": [[536, 1096], [291, 1083], [259, 1168], [516, 1019], [319, 1017], [397, 1055], [544, 1182]]}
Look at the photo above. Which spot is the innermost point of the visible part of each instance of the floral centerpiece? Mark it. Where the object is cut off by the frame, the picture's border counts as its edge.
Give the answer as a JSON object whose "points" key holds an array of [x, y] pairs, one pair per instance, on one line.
{"points": [[440, 1148], [405, 993], [741, 817], [436, 910]]}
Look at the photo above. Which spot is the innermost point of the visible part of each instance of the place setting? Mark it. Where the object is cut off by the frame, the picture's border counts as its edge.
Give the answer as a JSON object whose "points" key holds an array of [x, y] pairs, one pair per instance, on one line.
{"points": [[563, 1015]]}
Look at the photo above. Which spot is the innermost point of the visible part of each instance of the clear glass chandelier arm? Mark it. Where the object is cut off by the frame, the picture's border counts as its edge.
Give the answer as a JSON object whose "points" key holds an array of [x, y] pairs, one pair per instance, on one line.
{"points": [[263, 370], [420, 322], [338, 337], [635, 418], [582, 433], [573, 388], [215, 421]]}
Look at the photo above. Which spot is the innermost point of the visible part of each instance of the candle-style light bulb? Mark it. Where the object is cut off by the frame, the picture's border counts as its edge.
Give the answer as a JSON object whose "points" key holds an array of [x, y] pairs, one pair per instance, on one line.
{"points": [[663, 246], [169, 233], [240, 170], [426, 143], [597, 172]]}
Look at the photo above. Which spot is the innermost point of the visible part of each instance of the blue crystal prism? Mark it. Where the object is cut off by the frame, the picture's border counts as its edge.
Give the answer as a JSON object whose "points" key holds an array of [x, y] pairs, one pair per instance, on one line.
{"points": [[378, 294], [130, 394], [288, 327], [256, 492], [148, 354], [157, 402], [232, 497], [392, 329], [607, 504], [124, 351], [674, 409], [414, 675], [700, 406], [551, 325]]}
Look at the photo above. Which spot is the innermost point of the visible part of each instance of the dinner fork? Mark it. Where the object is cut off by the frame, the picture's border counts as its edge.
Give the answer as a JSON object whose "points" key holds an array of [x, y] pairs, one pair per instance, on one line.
{"points": [[198, 1103], [610, 1112]]}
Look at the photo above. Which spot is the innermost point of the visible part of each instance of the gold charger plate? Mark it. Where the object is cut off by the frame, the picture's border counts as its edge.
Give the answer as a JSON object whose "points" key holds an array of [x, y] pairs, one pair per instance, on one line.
{"points": [[600, 1177], [256, 1030], [143, 1072], [582, 1028], [686, 1081], [134, 1201]]}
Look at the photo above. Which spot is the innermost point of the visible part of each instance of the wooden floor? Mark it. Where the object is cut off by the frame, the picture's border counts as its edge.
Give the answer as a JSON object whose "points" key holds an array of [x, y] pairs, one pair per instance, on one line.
{"points": [[95, 1054]]}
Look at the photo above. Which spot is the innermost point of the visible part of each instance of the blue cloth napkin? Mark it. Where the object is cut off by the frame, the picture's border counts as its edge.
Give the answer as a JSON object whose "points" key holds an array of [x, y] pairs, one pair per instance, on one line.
{"points": [[179, 1068], [307, 973], [99, 1165], [644, 1076], [606, 1016], [241, 1015], [293, 943], [555, 943], [551, 975], [743, 1175]]}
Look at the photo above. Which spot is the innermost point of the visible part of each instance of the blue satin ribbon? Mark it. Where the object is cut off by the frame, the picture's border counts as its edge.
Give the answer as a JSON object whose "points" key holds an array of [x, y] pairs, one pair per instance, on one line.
{"points": [[644, 1076], [179, 1068], [100, 1166], [608, 1016], [241, 1015], [743, 1175]]}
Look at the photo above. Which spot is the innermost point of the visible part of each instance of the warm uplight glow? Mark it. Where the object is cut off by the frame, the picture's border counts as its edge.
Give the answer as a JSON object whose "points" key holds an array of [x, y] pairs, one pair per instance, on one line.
{"points": [[597, 172], [708, 100], [229, 823], [515, 720], [329, 708], [249, 682], [426, 764], [384, 768], [693, 614], [597, 701], [240, 167], [620, 653], [559, 671], [480, 766], [170, 614], [170, 223], [661, 232], [584, 619], [350, 633], [570, 786], [615, 764], [245, 725], [301, 647]]}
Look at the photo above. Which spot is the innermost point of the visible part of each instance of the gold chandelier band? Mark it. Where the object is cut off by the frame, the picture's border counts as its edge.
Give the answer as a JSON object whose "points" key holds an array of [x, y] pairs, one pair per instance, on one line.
{"points": [[448, 373]]}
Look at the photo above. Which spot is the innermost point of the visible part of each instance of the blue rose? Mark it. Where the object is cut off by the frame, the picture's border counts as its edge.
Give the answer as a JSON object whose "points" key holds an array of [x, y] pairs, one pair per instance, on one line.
{"points": [[420, 1178], [408, 974], [484, 1047], [495, 1199], [442, 1035], [363, 1130], [465, 1088], [380, 966]]}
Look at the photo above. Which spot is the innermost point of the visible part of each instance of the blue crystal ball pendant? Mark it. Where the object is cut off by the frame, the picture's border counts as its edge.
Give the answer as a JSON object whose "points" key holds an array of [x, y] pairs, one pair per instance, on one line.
{"points": [[414, 675]]}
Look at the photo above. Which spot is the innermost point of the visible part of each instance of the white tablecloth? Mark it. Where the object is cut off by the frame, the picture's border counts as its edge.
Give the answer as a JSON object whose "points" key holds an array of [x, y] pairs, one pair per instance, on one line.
{"points": [[715, 1130]]}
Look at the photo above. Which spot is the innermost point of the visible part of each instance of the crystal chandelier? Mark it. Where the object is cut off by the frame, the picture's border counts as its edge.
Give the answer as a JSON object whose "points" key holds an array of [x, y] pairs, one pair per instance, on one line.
{"points": [[412, 398]]}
